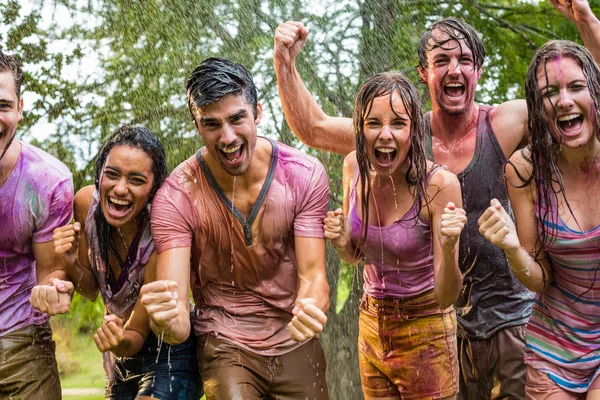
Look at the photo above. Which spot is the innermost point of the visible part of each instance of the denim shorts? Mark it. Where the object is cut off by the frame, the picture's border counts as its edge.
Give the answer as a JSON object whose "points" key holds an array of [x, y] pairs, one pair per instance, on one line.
{"points": [[407, 348], [173, 376]]}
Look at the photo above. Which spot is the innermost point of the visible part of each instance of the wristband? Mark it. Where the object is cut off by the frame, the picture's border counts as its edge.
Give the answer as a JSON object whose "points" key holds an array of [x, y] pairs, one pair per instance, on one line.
{"points": [[527, 268]]}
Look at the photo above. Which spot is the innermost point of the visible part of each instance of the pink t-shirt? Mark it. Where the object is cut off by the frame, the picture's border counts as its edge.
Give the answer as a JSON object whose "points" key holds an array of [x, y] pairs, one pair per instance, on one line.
{"points": [[243, 272], [36, 198]]}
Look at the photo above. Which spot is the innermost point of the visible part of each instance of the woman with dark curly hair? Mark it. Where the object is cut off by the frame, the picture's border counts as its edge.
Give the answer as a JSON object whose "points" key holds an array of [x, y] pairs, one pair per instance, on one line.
{"points": [[402, 216], [110, 249], [554, 250]]}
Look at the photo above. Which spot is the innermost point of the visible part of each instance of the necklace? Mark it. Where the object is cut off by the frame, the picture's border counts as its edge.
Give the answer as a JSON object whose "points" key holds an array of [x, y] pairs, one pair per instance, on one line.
{"points": [[122, 239]]}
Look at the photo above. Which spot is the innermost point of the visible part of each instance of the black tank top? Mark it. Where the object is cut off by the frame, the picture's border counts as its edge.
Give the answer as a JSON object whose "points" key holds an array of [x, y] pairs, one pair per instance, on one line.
{"points": [[491, 298]]}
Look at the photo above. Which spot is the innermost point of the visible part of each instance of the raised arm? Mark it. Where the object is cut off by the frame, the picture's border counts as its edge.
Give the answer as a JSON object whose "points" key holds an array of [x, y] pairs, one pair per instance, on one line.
{"points": [[518, 242], [447, 220], [302, 113], [580, 13]]}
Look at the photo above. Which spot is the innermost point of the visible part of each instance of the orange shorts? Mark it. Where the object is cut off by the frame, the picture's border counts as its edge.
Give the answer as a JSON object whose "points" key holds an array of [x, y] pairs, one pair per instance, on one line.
{"points": [[407, 348]]}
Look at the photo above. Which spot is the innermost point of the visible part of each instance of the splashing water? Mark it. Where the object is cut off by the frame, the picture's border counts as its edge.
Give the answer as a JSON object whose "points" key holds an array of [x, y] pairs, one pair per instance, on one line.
{"points": [[160, 342], [394, 190], [232, 221], [169, 372]]}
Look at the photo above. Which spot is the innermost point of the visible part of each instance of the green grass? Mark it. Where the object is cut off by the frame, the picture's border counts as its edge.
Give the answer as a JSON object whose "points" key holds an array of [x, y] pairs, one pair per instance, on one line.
{"points": [[79, 361]]}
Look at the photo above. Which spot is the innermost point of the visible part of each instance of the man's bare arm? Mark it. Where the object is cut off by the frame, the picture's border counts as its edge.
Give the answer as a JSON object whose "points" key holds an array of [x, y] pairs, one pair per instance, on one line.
{"points": [[302, 113], [167, 300], [53, 291], [313, 290]]}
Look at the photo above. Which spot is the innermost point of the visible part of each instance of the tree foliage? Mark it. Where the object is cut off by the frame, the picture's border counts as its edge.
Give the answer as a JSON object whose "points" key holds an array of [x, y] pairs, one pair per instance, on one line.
{"points": [[145, 49]]}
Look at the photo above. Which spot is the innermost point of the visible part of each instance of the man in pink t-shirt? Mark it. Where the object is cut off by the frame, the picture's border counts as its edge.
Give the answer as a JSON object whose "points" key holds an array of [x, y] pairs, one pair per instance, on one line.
{"points": [[36, 196], [242, 221]]}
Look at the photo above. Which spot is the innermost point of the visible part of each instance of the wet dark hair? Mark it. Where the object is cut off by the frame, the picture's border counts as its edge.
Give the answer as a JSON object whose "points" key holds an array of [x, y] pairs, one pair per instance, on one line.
{"points": [[456, 30], [215, 78], [390, 83], [13, 65], [141, 138], [545, 147]]}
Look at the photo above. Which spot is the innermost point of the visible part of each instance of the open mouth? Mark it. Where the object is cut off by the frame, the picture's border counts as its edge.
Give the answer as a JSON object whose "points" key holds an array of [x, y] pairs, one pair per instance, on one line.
{"points": [[385, 156], [570, 123], [119, 208], [232, 154], [454, 89]]}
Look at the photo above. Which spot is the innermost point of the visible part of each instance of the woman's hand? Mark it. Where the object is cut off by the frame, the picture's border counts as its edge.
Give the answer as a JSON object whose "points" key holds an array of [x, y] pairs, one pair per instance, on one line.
{"points": [[111, 334], [66, 242], [498, 228], [337, 229], [451, 225]]}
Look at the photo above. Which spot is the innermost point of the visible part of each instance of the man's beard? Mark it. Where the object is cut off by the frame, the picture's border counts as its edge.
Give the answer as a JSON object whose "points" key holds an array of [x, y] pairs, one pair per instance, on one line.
{"points": [[8, 145]]}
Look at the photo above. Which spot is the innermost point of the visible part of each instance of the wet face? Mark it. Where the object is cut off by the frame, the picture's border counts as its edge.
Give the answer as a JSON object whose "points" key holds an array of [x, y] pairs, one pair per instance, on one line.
{"points": [[11, 111], [451, 75], [228, 129], [125, 184], [387, 134], [568, 105]]}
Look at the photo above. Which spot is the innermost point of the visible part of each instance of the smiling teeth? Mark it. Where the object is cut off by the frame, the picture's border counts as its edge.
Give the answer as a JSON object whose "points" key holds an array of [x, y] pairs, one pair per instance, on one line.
{"points": [[232, 150], [569, 117], [386, 150], [119, 202]]}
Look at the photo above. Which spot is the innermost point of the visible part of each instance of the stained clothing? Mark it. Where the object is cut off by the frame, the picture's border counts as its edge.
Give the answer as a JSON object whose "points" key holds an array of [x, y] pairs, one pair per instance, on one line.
{"points": [[36, 198], [121, 302], [541, 387], [28, 368], [407, 348], [496, 362], [399, 256], [406, 342], [244, 276], [156, 361], [563, 334], [233, 373], [491, 298]]}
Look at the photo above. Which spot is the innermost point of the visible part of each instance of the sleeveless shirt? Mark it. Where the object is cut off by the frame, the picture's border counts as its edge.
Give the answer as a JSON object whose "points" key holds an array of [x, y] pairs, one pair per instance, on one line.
{"points": [[399, 256], [563, 334], [122, 302], [491, 298]]}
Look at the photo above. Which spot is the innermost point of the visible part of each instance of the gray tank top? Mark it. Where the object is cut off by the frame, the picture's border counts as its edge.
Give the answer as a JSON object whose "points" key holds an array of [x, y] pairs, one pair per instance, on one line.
{"points": [[491, 298]]}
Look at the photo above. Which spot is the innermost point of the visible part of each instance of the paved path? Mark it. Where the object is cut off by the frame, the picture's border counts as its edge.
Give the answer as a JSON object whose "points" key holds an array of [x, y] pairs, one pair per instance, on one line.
{"points": [[82, 392]]}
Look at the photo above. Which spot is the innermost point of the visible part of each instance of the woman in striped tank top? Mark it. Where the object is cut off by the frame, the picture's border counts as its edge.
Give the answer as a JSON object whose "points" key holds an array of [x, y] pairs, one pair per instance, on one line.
{"points": [[554, 188]]}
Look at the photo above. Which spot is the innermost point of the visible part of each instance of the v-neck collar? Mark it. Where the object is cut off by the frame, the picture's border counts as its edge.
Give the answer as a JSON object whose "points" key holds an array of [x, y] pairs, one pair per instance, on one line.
{"points": [[246, 223]]}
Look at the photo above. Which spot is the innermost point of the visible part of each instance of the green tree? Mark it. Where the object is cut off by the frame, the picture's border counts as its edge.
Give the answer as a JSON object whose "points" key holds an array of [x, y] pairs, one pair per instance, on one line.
{"points": [[147, 48]]}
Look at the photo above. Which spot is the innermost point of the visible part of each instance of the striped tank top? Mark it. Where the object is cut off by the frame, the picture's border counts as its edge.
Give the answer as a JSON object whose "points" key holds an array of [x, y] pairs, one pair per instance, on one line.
{"points": [[563, 334]]}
